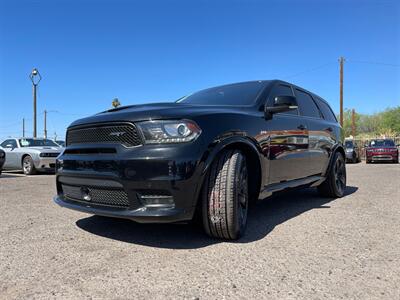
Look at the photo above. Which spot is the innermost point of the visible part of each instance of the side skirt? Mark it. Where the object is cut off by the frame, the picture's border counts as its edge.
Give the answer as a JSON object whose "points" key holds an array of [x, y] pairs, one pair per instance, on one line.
{"points": [[276, 187]]}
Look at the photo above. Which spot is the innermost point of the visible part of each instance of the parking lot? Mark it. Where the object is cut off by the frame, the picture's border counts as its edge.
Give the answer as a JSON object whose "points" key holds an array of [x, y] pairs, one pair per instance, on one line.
{"points": [[297, 245]]}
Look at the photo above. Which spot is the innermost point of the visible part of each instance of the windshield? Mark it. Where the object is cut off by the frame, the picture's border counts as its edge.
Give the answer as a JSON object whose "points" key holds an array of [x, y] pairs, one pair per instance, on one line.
{"points": [[348, 144], [238, 94], [381, 143], [36, 143]]}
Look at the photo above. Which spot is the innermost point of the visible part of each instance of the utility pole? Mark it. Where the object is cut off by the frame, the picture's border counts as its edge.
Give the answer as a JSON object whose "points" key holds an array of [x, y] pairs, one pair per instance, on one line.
{"points": [[35, 81], [341, 61], [353, 123], [45, 124], [23, 127]]}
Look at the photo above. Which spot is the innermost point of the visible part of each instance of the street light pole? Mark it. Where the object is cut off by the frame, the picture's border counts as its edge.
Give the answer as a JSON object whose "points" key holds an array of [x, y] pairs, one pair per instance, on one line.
{"points": [[35, 78]]}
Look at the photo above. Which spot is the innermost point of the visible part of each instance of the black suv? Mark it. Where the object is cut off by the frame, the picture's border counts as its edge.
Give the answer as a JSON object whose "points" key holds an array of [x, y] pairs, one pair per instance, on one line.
{"points": [[207, 155]]}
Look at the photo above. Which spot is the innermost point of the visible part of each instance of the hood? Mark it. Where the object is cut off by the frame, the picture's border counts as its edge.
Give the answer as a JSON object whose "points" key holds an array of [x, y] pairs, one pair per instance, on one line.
{"points": [[49, 149], [156, 111], [382, 147]]}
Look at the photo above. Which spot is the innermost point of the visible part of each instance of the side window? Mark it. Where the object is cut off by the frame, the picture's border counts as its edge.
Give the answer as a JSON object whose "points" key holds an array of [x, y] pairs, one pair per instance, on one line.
{"points": [[282, 90], [326, 110], [307, 105], [3, 144], [9, 142]]}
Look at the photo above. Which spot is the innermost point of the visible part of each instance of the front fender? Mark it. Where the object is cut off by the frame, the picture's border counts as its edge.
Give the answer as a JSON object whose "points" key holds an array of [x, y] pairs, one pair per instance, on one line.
{"points": [[230, 141]]}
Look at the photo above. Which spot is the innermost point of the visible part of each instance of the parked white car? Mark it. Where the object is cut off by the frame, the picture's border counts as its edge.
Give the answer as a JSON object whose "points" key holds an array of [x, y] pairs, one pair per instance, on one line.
{"points": [[30, 155]]}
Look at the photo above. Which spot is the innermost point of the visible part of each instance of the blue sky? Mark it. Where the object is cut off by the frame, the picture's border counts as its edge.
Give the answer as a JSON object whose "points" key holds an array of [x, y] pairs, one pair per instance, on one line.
{"points": [[89, 52]]}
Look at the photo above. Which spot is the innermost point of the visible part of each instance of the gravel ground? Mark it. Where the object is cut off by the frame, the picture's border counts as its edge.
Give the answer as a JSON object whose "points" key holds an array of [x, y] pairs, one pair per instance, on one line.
{"points": [[297, 246]]}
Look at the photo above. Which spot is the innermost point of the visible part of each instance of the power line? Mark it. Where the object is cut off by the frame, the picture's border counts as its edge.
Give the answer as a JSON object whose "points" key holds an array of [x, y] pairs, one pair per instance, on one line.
{"points": [[309, 70], [373, 63]]}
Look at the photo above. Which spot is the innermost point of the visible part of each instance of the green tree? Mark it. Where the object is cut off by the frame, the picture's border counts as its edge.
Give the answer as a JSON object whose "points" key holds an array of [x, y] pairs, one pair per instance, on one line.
{"points": [[390, 121]]}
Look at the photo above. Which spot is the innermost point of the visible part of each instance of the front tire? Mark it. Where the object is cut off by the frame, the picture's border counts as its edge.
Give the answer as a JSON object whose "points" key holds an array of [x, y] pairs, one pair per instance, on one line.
{"points": [[28, 166], [334, 185], [225, 197]]}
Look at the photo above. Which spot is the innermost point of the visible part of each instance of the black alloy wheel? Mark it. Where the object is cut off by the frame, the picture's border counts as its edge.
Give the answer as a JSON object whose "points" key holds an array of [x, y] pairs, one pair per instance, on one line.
{"points": [[334, 185]]}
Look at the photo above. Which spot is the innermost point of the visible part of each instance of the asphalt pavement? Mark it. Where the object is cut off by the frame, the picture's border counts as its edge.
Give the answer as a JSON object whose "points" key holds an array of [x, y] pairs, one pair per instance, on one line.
{"points": [[297, 246]]}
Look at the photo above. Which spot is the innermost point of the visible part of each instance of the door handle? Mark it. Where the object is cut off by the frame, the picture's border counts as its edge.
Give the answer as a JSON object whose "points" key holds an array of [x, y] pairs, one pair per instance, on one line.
{"points": [[301, 127]]}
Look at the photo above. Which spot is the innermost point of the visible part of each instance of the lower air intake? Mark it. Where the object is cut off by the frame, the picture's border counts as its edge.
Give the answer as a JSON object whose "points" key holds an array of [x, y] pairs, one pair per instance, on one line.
{"points": [[90, 195]]}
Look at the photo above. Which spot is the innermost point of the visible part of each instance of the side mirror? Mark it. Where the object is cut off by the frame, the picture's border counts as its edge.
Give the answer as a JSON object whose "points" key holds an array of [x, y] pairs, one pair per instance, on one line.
{"points": [[281, 104], [10, 146]]}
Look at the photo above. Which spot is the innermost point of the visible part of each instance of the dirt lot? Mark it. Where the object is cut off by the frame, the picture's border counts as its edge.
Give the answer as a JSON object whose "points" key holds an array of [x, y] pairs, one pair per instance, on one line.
{"points": [[297, 246]]}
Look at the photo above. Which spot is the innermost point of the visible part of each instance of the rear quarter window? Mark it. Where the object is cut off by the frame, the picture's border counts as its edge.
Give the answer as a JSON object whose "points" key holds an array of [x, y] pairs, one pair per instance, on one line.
{"points": [[326, 110]]}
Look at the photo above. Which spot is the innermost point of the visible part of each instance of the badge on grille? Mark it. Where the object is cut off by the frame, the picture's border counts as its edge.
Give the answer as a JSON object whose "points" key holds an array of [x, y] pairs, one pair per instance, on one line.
{"points": [[117, 133], [86, 194]]}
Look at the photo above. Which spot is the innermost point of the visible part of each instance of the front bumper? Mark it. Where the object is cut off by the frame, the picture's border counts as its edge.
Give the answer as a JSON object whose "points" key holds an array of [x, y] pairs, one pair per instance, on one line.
{"points": [[140, 215], [133, 182], [349, 155], [45, 163], [382, 157]]}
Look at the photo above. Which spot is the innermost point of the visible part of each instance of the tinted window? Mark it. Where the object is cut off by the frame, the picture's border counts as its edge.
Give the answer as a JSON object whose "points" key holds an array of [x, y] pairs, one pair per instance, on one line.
{"points": [[9, 142], [282, 90], [232, 94], [381, 143], [326, 110], [348, 144], [36, 143], [307, 105]]}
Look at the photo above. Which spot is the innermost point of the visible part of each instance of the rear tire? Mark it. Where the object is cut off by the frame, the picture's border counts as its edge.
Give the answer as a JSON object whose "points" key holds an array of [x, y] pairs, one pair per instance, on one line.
{"points": [[225, 197], [28, 166], [334, 185]]}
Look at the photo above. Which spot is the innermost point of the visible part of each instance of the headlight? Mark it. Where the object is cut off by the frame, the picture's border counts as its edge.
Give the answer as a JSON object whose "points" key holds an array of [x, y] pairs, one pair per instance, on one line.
{"points": [[349, 150], [164, 132]]}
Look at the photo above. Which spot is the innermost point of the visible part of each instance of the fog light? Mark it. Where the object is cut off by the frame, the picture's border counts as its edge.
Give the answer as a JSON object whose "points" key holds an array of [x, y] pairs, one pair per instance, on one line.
{"points": [[157, 201]]}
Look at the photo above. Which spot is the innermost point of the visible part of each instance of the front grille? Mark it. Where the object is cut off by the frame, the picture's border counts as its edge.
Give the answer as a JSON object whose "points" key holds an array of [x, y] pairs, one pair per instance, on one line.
{"points": [[49, 154], [382, 157], [109, 197], [125, 134]]}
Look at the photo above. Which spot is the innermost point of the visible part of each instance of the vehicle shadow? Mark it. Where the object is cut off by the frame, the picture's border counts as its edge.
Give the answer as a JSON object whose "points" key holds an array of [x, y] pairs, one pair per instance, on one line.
{"points": [[11, 174], [263, 218], [17, 173]]}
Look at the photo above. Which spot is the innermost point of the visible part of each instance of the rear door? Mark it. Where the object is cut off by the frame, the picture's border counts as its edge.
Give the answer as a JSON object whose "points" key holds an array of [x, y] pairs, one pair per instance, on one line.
{"points": [[320, 133], [288, 144]]}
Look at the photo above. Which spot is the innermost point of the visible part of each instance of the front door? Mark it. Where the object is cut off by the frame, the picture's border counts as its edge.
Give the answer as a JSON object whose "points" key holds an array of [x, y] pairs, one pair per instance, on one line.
{"points": [[288, 141], [10, 148]]}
